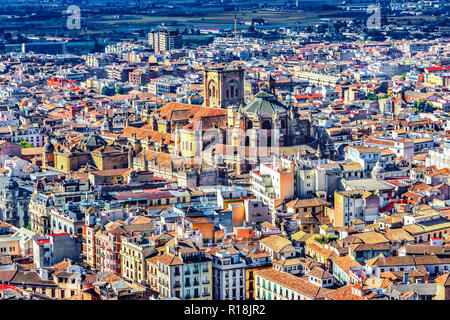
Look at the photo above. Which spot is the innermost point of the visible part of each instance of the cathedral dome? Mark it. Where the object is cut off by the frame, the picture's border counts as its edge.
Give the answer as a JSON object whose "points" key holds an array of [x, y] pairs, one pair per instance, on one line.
{"points": [[48, 148], [377, 169], [93, 140], [266, 104]]}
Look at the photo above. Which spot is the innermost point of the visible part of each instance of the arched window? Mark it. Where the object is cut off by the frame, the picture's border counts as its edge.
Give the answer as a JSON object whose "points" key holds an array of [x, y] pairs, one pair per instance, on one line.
{"points": [[212, 89], [267, 125]]}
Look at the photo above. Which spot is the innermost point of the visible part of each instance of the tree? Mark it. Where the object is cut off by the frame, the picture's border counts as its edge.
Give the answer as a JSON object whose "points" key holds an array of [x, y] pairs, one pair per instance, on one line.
{"points": [[105, 90], [330, 238], [423, 106], [26, 144], [118, 90], [319, 240], [371, 96], [327, 239], [97, 47], [403, 76]]}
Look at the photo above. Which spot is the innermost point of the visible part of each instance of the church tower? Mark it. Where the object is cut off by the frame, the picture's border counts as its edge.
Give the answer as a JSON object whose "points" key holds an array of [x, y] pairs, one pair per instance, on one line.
{"points": [[107, 124], [48, 158], [223, 87]]}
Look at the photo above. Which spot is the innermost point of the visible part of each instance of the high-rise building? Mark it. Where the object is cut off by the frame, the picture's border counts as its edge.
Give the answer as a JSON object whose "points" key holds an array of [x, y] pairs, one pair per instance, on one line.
{"points": [[163, 41]]}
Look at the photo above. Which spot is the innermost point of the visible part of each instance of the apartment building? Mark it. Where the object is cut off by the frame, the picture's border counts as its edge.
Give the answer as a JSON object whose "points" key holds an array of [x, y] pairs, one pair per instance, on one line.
{"points": [[439, 157], [69, 191], [272, 284], [354, 204], [183, 271], [164, 41], [367, 157], [255, 260], [273, 183], [54, 248], [107, 248], [133, 252], [228, 273]]}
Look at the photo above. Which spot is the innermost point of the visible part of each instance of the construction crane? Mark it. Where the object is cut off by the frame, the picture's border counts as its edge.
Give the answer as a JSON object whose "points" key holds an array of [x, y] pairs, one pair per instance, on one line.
{"points": [[235, 25]]}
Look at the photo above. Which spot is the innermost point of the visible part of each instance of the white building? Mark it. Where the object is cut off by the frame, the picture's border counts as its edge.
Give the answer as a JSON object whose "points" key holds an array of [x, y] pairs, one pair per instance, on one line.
{"points": [[439, 157], [228, 274]]}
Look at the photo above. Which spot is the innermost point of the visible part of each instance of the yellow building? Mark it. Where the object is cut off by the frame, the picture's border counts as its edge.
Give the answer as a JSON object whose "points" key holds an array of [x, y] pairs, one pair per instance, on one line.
{"points": [[443, 287], [9, 245], [94, 148], [133, 254], [254, 261], [188, 124]]}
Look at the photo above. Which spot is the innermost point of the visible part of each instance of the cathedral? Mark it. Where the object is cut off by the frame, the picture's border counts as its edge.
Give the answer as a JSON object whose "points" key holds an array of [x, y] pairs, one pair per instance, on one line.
{"points": [[266, 122], [259, 130]]}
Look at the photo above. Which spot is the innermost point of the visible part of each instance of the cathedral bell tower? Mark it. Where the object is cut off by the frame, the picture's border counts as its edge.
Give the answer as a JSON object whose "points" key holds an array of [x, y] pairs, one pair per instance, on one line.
{"points": [[223, 87]]}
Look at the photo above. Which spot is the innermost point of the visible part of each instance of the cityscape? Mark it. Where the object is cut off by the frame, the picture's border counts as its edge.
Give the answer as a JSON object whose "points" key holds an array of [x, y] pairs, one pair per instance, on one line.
{"points": [[225, 150]]}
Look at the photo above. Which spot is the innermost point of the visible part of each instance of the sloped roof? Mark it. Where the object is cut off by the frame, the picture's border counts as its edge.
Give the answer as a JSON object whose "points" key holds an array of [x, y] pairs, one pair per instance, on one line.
{"points": [[277, 243]]}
